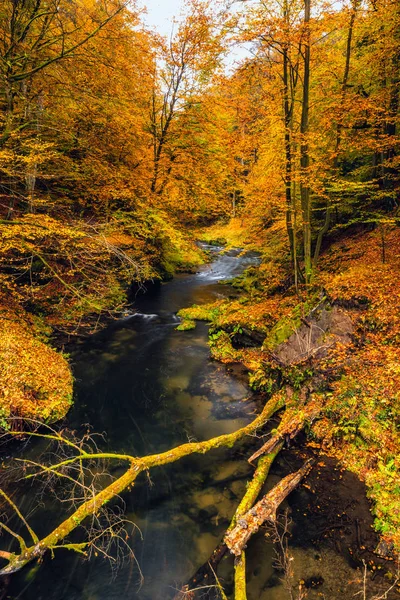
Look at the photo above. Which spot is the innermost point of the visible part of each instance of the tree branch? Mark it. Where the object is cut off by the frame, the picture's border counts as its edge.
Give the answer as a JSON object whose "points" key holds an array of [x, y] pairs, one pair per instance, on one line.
{"points": [[93, 505]]}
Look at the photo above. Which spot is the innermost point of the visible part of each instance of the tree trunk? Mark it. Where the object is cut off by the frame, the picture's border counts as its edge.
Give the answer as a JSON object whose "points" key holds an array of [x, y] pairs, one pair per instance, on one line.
{"points": [[288, 156], [264, 510], [304, 150], [324, 229]]}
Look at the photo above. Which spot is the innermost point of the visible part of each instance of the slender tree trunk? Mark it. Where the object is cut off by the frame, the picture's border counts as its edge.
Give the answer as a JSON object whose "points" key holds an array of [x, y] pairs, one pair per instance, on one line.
{"points": [[304, 150], [8, 127], [289, 77], [30, 177], [324, 229], [390, 173], [297, 271], [384, 171], [288, 156]]}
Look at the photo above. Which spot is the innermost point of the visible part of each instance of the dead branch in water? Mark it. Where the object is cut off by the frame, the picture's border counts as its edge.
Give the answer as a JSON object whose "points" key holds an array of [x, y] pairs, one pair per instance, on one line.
{"points": [[289, 428], [253, 490], [95, 500], [264, 510], [279, 532]]}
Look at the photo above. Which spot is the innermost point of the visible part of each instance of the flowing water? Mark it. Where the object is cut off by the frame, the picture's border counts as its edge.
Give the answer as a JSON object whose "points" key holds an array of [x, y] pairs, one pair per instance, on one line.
{"points": [[149, 387]]}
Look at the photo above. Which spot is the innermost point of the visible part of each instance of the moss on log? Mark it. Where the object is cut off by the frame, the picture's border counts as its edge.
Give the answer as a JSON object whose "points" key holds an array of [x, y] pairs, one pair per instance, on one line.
{"points": [[240, 577], [136, 466], [264, 510], [253, 490]]}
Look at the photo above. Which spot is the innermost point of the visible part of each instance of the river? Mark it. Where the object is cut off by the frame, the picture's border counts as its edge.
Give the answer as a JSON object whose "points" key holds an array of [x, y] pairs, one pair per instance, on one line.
{"points": [[148, 387]]}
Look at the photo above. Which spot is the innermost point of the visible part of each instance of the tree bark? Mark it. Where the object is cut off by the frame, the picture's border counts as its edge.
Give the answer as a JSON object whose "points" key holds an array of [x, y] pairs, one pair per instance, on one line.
{"points": [[304, 150], [288, 430], [264, 510]]}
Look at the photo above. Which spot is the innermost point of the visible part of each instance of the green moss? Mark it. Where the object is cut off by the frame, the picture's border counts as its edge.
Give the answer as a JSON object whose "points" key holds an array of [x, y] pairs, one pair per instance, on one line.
{"points": [[240, 578], [186, 325], [282, 331], [263, 380], [285, 327], [221, 347], [250, 281], [177, 250], [296, 375], [205, 312]]}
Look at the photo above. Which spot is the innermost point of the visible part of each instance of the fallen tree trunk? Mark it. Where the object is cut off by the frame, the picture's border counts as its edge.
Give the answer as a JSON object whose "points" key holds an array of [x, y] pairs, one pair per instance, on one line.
{"points": [[94, 503], [289, 428], [207, 570], [264, 510], [240, 577]]}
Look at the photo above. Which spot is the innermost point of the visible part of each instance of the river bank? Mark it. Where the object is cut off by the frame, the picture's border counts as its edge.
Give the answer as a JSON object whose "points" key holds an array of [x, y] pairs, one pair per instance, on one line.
{"points": [[60, 281], [149, 388]]}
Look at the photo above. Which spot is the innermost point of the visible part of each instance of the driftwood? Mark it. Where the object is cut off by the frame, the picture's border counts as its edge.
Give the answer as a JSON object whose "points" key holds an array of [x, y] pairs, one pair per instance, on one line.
{"points": [[289, 429], [264, 510]]}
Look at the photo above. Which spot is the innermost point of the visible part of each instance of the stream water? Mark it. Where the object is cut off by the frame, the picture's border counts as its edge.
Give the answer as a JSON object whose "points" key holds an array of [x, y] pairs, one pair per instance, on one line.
{"points": [[149, 387]]}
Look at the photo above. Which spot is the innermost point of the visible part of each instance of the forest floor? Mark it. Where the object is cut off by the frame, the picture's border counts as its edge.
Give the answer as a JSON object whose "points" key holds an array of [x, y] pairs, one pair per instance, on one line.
{"points": [[335, 345]]}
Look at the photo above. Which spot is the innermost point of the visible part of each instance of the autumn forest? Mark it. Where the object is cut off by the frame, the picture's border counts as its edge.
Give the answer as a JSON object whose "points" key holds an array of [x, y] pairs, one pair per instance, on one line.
{"points": [[199, 267]]}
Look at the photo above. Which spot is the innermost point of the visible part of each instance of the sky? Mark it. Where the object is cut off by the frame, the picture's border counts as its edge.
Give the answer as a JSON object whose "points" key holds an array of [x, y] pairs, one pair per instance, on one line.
{"points": [[160, 13]]}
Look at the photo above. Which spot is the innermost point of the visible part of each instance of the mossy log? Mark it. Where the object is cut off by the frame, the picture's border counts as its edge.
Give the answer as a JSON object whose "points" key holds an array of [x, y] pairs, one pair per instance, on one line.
{"points": [[253, 489], [293, 422], [260, 476], [264, 510], [240, 577], [136, 466]]}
